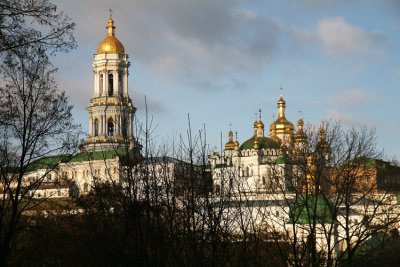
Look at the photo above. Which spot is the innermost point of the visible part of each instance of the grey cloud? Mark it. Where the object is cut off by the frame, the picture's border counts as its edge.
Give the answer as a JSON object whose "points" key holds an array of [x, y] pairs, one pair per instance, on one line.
{"points": [[153, 105], [203, 39], [352, 98]]}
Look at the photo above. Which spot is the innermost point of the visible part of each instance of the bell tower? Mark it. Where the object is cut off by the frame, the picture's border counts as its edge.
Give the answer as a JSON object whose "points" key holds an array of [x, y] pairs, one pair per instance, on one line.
{"points": [[110, 110]]}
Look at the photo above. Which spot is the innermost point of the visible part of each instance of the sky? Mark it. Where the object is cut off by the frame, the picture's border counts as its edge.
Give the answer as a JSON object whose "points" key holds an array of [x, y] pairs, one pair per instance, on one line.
{"points": [[221, 61]]}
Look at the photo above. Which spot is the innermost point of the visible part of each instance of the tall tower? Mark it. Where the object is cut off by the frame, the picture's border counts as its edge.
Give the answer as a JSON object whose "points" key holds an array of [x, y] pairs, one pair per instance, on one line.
{"points": [[110, 110]]}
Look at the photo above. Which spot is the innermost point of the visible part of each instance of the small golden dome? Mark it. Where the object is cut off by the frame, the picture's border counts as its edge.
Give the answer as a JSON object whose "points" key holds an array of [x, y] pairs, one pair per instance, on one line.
{"points": [[255, 143], [230, 144], [300, 136], [283, 126], [110, 44], [323, 144], [281, 101], [260, 125], [236, 142], [272, 127]]}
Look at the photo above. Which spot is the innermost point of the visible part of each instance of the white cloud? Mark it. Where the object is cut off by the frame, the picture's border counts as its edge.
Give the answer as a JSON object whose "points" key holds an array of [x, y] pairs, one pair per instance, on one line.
{"points": [[340, 38], [153, 105], [395, 72], [345, 118], [189, 41], [352, 98]]}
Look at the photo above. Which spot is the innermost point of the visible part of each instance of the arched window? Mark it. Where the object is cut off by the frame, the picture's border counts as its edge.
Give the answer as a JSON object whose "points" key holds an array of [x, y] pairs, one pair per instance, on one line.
{"points": [[110, 127], [85, 187], [101, 84], [120, 82], [96, 127], [110, 84]]}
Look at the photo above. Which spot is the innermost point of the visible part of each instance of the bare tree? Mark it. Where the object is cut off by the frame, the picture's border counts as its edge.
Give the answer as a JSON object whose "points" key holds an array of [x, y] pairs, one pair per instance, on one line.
{"points": [[25, 23], [35, 124], [339, 195]]}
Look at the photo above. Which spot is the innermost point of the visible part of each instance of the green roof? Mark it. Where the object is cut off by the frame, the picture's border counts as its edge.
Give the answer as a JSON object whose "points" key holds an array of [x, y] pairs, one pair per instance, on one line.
{"points": [[307, 207], [376, 240], [263, 142], [50, 162], [98, 155], [368, 163], [281, 161]]}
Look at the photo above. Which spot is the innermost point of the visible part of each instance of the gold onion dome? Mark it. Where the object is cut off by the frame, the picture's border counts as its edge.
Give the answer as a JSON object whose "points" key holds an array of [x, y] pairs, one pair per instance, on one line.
{"points": [[300, 136], [110, 44], [260, 125], [236, 142], [230, 144], [322, 144], [282, 125]]}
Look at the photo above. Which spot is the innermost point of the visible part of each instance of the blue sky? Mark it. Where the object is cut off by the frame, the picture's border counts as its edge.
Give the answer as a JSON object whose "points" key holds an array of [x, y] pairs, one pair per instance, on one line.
{"points": [[220, 61]]}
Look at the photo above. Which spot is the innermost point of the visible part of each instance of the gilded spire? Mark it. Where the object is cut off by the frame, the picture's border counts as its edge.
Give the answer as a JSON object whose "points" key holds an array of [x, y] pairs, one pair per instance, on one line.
{"points": [[281, 106], [260, 124], [236, 142], [230, 144], [110, 27], [300, 136], [323, 145], [110, 44]]}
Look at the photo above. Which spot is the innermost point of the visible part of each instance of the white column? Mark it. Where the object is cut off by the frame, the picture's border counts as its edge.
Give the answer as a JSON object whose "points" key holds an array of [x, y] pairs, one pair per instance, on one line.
{"points": [[115, 80], [90, 125], [125, 83], [105, 88], [101, 125], [95, 84]]}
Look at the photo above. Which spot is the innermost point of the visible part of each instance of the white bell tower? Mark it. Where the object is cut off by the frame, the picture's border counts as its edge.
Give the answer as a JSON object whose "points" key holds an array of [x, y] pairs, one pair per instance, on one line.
{"points": [[110, 111]]}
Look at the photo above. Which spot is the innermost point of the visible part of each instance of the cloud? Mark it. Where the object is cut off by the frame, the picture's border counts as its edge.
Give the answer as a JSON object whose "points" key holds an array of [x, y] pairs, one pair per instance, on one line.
{"points": [[345, 118], [395, 72], [352, 98], [187, 40], [153, 105], [340, 38]]}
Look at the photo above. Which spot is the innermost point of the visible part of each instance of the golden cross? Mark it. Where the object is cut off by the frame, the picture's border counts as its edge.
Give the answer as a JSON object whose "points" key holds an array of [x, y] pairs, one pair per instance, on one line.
{"points": [[110, 12]]}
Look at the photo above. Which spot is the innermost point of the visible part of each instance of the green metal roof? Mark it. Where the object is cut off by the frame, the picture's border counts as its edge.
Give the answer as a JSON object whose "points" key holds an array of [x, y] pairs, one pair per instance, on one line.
{"points": [[98, 155], [281, 161], [50, 162], [263, 142], [307, 207]]}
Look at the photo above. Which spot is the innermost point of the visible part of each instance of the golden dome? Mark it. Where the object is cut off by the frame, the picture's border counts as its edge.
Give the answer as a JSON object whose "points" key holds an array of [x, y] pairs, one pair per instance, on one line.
{"points": [[260, 125], [230, 144], [282, 125], [255, 143], [323, 144], [110, 44], [281, 101], [300, 136], [236, 142]]}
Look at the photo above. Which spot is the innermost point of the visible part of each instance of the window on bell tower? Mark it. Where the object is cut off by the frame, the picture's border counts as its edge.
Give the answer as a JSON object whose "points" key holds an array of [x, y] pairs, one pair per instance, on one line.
{"points": [[96, 127], [110, 84], [110, 127]]}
